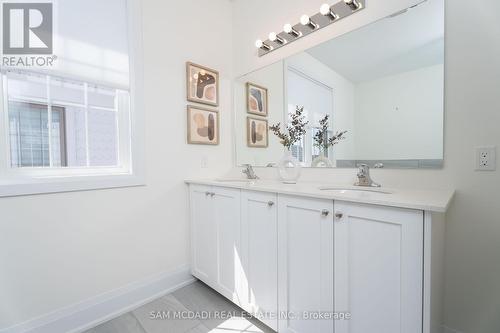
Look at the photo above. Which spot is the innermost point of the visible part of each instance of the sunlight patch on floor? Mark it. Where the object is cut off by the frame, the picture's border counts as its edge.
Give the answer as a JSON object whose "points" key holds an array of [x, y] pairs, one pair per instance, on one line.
{"points": [[236, 325]]}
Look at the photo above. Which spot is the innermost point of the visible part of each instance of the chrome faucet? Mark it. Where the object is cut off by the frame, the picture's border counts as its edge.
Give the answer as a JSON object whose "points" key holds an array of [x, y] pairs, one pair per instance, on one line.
{"points": [[364, 178], [249, 171]]}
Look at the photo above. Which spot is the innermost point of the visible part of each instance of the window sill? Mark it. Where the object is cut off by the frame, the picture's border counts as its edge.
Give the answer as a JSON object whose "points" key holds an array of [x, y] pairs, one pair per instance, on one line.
{"points": [[68, 184]]}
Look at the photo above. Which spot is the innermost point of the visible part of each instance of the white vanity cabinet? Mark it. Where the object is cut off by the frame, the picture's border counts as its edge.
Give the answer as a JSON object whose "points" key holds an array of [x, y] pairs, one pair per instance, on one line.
{"points": [[305, 261], [290, 258], [378, 268], [259, 221], [203, 234], [216, 237]]}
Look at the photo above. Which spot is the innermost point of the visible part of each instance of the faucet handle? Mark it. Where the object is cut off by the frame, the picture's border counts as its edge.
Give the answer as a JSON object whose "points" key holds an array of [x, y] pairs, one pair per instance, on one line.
{"points": [[249, 171], [363, 169]]}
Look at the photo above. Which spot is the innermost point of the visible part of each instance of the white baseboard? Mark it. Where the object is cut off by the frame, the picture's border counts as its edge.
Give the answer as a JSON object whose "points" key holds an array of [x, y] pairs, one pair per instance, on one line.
{"points": [[96, 310], [450, 330]]}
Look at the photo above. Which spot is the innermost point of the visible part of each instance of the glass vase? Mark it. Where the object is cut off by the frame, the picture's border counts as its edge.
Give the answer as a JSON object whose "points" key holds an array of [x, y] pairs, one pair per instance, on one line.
{"points": [[321, 161], [289, 168]]}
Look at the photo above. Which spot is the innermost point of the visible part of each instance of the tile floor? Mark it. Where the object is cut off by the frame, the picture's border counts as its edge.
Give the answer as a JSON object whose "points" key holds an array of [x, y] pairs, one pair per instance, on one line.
{"points": [[196, 298]]}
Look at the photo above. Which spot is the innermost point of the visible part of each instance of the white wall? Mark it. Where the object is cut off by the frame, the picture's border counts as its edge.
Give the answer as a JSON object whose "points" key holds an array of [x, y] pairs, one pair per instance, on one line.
{"points": [[472, 117], [60, 249], [413, 103]]}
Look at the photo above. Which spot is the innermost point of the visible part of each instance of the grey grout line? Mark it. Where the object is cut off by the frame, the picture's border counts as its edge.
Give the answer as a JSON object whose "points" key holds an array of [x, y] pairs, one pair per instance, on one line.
{"points": [[138, 321]]}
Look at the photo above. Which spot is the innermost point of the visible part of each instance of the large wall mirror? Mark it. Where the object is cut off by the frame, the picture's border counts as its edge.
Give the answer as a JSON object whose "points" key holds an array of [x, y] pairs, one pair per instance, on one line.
{"points": [[383, 84]]}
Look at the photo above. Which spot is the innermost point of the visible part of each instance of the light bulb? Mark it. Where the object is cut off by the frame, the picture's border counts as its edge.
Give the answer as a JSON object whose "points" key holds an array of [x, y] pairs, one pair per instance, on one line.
{"points": [[305, 20], [325, 9], [259, 43], [287, 28], [353, 4], [273, 37]]}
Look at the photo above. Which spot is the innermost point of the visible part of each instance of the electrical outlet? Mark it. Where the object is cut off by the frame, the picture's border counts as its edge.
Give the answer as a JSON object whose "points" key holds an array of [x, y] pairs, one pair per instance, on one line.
{"points": [[486, 159]]}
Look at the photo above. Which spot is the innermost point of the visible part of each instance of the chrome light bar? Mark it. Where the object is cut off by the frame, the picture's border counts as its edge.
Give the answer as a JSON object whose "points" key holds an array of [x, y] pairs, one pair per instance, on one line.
{"points": [[327, 15]]}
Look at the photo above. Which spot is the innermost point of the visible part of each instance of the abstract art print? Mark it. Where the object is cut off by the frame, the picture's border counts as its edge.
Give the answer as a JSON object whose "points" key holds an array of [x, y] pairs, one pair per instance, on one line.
{"points": [[257, 133], [257, 99], [202, 84], [203, 126]]}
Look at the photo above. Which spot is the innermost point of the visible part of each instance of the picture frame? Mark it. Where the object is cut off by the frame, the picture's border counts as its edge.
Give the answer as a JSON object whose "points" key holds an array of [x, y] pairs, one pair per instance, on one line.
{"points": [[257, 132], [203, 126], [257, 100], [202, 84]]}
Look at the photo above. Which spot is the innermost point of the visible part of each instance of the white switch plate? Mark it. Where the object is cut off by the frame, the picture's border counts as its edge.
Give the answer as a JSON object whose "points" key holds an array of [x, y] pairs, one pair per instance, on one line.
{"points": [[204, 162], [486, 159]]}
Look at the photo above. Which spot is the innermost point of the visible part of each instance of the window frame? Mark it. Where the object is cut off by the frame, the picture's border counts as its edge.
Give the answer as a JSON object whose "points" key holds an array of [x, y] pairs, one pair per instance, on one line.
{"points": [[27, 181]]}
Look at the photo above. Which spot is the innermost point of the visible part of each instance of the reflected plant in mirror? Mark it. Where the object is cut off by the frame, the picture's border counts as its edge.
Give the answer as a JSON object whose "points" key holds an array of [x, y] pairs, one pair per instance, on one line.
{"points": [[289, 166], [323, 143]]}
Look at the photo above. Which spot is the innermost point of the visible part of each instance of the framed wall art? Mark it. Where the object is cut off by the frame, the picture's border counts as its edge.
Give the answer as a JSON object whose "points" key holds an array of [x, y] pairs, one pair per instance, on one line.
{"points": [[202, 126], [257, 100], [202, 84], [257, 132]]}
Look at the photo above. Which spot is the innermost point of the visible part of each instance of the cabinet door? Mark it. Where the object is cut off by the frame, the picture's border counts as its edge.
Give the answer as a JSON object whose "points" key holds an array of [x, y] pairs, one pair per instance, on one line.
{"points": [[305, 259], [259, 277], [226, 205], [203, 234], [378, 268]]}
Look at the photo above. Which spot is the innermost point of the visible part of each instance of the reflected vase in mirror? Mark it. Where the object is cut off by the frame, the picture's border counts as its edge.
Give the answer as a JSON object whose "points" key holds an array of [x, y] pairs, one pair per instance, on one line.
{"points": [[289, 168], [321, 161], [323, 141]]}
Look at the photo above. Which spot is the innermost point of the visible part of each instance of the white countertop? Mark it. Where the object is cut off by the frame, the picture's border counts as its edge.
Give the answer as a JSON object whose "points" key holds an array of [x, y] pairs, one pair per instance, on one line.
{"points": [[427, 200]]}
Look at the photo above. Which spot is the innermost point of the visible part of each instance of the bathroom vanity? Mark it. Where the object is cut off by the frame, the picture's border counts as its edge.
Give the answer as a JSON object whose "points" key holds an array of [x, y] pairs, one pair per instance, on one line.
{"points": [[289, 253]]}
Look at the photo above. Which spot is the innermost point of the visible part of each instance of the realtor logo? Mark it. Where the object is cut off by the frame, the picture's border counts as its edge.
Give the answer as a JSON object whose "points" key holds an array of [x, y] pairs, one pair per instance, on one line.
{"points": [[27, 28]]}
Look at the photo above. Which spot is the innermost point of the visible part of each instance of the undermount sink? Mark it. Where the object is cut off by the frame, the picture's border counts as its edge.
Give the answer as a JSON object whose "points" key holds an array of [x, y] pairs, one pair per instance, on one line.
{"points": [[354, 189]]}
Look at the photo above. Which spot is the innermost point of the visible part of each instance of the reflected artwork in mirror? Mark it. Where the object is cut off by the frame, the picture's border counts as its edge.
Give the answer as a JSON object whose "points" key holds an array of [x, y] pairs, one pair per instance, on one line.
{"points": [[381, 88]]}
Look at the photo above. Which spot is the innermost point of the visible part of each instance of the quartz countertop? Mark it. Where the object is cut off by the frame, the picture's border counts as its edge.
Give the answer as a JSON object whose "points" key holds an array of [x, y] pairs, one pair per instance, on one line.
{"points": [[428, 200]]}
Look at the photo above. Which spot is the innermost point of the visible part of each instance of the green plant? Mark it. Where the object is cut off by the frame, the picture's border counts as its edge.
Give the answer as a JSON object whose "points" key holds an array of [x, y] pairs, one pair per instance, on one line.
{"points": [[294, 131], [321, 139]]}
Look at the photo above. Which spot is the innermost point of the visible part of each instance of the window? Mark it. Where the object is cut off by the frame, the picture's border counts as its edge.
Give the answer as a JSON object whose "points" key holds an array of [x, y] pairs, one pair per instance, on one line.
{"points": [[29, 135], [317, 103], [55, 122], [75, 123]]}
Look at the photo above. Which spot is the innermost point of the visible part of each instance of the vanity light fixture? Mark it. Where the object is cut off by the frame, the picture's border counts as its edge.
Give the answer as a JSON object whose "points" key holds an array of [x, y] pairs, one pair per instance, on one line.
{"points": [[261, 45], [326, 10], [328, 14], [273, 37], [306, 21], [290, 30], [353, 4]]}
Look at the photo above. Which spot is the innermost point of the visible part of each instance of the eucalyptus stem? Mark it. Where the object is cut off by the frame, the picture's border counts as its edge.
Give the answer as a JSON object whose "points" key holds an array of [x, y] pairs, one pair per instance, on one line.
{"points": [[294, 131]]}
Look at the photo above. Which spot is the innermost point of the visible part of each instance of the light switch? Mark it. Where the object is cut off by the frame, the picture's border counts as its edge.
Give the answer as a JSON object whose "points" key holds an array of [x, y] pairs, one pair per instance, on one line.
{"points": [[204, 162]]}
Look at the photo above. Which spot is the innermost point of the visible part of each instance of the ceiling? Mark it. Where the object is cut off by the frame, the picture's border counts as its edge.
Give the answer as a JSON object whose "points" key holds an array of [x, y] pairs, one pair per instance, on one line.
{"points": [[401, 43]]}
